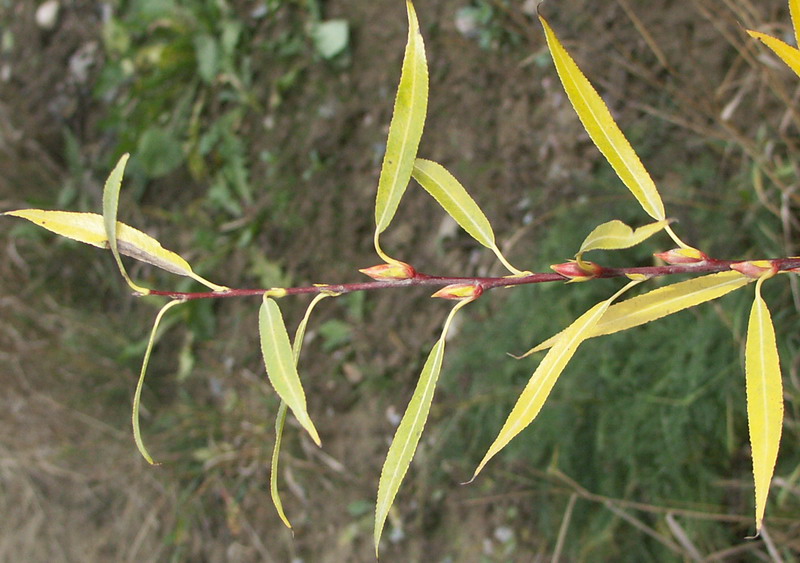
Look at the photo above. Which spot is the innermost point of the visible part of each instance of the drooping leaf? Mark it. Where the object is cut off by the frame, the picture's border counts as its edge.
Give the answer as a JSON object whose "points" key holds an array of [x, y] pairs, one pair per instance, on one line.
{"points": [[110, 204], [787, 53], [280, 363], [544, 378], [137, 396], [764, 399], [615, 235], [89, 228], [408, 433], [405, 129], [602, 128], [280, 418], [659, 303], [455, 200]]}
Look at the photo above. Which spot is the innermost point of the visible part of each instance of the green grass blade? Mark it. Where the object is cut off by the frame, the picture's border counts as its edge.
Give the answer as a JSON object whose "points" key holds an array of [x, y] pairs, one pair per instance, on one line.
{"points": [[764, 399], [137, 396]]}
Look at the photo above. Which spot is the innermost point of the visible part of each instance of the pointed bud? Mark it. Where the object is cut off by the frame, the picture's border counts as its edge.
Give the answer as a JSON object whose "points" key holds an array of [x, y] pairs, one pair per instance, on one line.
{"points": [[682, 256], [459, 291], [394, 271], [578, 271], [756, 268]]}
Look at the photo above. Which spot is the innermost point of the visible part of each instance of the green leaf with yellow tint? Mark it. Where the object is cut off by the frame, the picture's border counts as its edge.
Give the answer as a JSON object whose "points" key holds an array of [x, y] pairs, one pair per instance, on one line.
{"points": [[659, 303], [615, 235], [280, 418], [602, 128], [137, 396], [764, 398], [110, 205], [787, 53], [280, 363], [454, 199], [408, 433], [537, 390], [405, 129], [89, 228]]}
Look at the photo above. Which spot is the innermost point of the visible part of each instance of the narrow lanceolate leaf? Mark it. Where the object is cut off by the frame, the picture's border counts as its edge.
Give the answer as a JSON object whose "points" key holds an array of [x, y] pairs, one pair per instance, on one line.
{"points": [[455, 200], [137, 396], [280, 418], [544, 378], [405, 129], [615, 235], [764, 399], [602, 128], [110, 205], [794, 12], [408, 433], [89, 228], [659, 303], [280, 363], [787, 53]]}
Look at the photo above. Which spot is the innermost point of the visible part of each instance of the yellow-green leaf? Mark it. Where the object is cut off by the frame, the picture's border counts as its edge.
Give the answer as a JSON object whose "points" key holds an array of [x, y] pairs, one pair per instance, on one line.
{"points": [[89, 228], [544, 378], [602, 128], [615, 235], [455, 200], [794, 13], [405, 129], [280, 364], [408, 433], [659, 303], [787, 53], [764, 399], [280, 418], [110, 204], [137, 396]]}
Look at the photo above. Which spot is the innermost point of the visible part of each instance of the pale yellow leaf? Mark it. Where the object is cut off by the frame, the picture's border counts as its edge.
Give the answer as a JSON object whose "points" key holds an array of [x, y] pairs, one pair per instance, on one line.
{"points": [[602, 128], [764, 399], [405, 129], [89, 228], [408, 433], [537, 390], [787, 53], [659, 303], [794, 13], [280, 364], [615, 235]]}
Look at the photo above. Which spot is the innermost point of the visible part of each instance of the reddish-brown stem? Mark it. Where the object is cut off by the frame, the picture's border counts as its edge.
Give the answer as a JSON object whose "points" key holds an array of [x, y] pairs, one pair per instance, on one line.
{"points": [[706, 267]]}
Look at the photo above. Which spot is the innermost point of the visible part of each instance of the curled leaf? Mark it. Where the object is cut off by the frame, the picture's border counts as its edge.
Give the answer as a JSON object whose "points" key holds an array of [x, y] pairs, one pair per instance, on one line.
{"points": [[537, 390], [454, 199], [137, 396], [764, 398], [405, 129], [408, 433], [280, 363], [615, 235], [787, 53], [89, 228], [659, 303], [602, 128]]}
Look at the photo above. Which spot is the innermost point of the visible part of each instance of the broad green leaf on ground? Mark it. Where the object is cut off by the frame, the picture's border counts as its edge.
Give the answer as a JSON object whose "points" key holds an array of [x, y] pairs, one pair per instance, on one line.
{"points": [[615, 235], [454, 199], [89, 228], [659, 303], [405, 129], [110, 205], [787, 53], [544, 378], [602, 128], [280, 419], [280, 364], [408, 433], [137, 396], [764, 399]]}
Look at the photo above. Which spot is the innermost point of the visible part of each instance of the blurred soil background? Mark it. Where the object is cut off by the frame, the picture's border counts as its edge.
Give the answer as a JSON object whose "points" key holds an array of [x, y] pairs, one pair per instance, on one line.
{"points": [[257, 128]]}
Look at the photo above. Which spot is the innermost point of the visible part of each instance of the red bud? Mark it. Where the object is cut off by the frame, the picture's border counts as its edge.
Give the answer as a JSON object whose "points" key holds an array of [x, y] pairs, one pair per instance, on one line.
{"points": [[682, 256], [394, 271], [459, 291], [578, 271], [756, 268]]}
